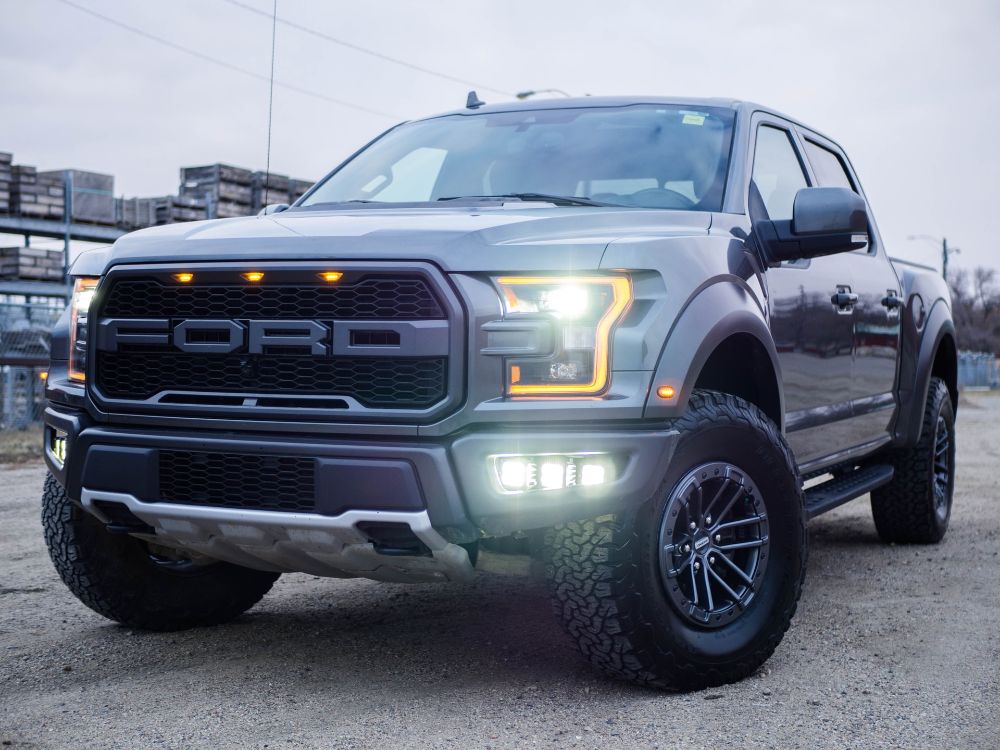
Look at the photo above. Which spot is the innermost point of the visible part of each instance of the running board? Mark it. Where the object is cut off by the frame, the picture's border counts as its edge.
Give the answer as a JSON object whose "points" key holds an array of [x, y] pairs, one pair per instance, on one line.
{"points": [[844, 488]]}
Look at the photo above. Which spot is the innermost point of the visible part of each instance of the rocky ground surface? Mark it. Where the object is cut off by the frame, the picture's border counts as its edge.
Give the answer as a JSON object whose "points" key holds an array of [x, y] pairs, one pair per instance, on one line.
{"points": [[891, 647]]}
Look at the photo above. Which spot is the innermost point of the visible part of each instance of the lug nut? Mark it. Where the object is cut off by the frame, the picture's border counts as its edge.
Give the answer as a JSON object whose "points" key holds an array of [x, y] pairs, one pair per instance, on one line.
{"points": [[687, 547], [697, 565], [693, 526], [708, 519], [711, 560], [718, 538]]}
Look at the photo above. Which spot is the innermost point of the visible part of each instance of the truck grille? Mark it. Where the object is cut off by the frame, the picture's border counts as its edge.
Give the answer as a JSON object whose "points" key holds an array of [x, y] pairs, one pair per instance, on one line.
{"points": [[370, 298], [237, 480], [381, 383], [360, 367]]}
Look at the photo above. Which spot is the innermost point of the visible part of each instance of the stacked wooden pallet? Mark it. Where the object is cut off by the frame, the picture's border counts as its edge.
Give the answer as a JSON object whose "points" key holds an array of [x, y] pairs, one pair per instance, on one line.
{"points": [[229, 189], [269, 188], [31, 263], [38, 196], [93, 196], [136, 213], [6, 178]]}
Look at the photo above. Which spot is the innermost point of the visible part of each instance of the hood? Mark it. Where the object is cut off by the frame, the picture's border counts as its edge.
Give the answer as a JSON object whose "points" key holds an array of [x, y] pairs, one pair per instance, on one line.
{"points": [[511, 237]]}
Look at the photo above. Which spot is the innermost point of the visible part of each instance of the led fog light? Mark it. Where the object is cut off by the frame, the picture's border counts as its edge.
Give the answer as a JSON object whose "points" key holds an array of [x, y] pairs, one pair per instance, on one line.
{"points": [[551, 471], [57, 446]]}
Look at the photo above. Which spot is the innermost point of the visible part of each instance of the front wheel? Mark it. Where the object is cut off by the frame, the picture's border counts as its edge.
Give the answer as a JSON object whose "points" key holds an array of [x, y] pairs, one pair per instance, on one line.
{"points": [[698, 586], [127, 580]]}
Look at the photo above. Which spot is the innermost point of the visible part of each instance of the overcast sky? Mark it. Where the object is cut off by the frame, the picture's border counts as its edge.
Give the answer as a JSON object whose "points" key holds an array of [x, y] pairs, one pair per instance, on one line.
{"points": [[910, 89]]}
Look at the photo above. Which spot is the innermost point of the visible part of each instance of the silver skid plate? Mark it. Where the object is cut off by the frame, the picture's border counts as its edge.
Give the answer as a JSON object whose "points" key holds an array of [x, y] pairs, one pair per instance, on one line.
{"points": [[294, 542]]}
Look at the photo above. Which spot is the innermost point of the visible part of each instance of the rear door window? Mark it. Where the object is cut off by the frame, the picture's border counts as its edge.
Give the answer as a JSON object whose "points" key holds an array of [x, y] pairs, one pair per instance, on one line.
{"points": [[828, 167]]}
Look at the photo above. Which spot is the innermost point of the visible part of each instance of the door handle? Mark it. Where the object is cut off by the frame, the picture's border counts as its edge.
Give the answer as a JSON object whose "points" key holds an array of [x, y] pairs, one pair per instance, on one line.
{"points": [[844, 299], [892, 300]]}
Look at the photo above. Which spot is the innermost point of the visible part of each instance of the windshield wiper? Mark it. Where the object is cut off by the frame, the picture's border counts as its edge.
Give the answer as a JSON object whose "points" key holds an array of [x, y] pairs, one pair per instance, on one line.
{"points": [[559, 200]]}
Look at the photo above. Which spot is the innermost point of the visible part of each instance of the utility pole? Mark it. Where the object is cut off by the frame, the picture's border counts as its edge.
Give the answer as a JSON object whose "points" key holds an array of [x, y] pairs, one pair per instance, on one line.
{"points": [[945, 250]]}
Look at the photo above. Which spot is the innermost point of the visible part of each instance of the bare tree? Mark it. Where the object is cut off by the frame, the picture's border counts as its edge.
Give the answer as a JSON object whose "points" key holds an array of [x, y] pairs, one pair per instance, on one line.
{"points": [[976, 308]]}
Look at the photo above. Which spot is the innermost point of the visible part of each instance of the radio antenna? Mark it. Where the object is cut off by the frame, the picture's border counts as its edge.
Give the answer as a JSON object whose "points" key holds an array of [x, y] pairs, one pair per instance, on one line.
{"points": [[270, 102]]}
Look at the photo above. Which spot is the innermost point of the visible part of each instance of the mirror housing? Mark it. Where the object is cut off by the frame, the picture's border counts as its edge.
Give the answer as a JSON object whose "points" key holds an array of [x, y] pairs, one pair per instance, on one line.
{"points": [[825, 221]]}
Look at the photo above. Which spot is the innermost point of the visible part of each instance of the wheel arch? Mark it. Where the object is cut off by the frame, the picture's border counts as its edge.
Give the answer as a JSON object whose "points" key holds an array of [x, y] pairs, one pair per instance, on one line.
{"points": [[936, 355], [719, 335]]}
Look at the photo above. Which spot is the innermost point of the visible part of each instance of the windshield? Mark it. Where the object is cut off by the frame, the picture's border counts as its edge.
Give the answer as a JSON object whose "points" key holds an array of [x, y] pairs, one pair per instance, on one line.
{"points": [[650, 156]]}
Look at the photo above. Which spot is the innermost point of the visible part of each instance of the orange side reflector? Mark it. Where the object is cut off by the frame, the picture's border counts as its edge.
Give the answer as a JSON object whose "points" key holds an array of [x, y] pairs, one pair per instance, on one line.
{"points": [[666, 391], [515, 374]]}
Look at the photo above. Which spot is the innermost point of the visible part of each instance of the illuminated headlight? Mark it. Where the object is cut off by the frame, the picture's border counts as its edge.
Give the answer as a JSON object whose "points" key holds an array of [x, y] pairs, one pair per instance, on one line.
{"points": [[83, 294], [584, 310], [552, 471]]}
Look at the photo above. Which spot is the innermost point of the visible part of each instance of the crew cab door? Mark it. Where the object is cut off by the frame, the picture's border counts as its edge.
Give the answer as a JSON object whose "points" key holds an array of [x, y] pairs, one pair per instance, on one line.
{"points": [[811, 307], [877, 312]]}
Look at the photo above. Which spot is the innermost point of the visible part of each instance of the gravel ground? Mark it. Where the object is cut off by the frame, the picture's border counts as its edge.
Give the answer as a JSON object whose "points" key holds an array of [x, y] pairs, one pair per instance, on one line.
{"points": [[891, 647]]}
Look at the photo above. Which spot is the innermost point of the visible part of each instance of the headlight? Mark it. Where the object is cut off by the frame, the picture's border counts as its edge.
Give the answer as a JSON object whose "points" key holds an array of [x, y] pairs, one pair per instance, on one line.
{"points": [[83, 294], [584, 310]]}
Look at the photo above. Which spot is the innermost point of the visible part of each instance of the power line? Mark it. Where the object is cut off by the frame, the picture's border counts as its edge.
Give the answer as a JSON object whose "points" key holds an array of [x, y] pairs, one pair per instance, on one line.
{"points": [[222, 63], [366, 51]]}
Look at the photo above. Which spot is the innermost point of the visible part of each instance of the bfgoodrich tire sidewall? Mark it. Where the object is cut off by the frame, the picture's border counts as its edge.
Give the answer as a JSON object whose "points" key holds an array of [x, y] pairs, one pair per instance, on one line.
{"points": [[767, 465]]}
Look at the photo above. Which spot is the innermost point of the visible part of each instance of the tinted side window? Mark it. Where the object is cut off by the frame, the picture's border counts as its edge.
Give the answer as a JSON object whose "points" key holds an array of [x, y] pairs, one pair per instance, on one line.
{"points": [[777, 172], [829, 169]]}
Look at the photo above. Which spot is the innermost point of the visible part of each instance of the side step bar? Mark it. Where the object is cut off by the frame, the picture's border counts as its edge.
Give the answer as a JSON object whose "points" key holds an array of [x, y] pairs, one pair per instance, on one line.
{"points": [[846, 487]]}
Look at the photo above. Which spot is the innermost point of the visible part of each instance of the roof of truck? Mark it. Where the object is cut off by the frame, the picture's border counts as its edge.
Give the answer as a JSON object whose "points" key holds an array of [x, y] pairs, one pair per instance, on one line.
{"points": [[619, 101]]}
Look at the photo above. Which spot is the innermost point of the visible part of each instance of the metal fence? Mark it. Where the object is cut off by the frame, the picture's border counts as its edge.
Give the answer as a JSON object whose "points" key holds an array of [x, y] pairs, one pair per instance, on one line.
{"points": [[977, 370], [24, 356]]}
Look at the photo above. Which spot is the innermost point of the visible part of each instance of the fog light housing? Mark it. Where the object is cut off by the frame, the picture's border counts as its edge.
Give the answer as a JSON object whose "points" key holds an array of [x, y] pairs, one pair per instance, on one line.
{"points": [[515, 474], [58, 446]]}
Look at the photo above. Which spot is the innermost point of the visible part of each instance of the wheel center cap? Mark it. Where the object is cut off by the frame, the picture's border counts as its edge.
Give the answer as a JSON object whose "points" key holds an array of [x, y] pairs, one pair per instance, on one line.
{"points": [[701, 543]]}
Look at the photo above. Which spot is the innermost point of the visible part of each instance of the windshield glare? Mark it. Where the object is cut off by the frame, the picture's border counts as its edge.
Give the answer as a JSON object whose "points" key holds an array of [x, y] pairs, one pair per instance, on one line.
{"points": [[650, 156]]}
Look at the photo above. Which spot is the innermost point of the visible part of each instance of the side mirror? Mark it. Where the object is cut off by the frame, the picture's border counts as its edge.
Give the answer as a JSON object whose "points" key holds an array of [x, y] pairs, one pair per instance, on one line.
{"points": [[272, 208], [825, 221]]}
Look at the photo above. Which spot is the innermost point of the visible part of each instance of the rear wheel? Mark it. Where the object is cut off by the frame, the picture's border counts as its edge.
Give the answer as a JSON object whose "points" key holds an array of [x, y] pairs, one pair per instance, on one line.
{"points": [[137, 584], [698, 586], [915, 506]]}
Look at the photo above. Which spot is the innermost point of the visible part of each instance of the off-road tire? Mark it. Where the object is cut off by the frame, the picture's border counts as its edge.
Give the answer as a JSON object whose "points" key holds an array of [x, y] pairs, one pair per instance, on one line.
{"points": [[605, 577], [115, 576], [905, 510]]}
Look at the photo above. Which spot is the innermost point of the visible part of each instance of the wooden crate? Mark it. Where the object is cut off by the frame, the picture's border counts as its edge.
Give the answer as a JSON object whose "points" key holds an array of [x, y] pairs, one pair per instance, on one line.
{"points": [[31, 263]]}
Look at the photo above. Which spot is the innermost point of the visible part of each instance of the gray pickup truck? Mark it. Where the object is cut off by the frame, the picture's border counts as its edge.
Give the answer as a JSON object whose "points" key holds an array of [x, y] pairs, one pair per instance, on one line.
{"points": [[653, 337]]}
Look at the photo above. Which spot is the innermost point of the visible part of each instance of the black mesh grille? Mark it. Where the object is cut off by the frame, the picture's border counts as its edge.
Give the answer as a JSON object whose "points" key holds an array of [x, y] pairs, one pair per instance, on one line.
{"points": [[377, 382], [370, 297], [237, 480]]}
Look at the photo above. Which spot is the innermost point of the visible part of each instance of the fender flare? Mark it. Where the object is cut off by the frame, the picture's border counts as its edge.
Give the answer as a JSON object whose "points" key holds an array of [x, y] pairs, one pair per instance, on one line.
{"points": [[712, 315], [915, 368]]}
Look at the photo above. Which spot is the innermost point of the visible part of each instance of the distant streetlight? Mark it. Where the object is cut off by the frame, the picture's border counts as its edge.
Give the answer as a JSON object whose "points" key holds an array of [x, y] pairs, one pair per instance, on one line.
{"points": [[945, 250], [526, 94]]}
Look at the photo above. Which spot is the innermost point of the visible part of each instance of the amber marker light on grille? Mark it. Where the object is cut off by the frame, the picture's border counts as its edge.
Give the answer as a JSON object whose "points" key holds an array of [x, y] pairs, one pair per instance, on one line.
{"points": [[253, 276], [331, 276], [666, 392], [184, 278], [44, 375]]}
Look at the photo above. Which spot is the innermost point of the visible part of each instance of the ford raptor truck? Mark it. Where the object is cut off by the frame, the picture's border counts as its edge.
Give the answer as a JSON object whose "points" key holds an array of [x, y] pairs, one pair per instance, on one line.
{"points": [[658, 335]]}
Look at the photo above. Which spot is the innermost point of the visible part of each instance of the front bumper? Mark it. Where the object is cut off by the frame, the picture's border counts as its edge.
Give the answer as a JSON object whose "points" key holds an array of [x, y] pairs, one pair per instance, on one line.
{"points": [[441, 488]]}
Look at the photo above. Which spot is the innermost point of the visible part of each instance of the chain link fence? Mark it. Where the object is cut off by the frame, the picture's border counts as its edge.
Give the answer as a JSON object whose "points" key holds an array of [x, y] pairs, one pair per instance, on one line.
{"points": [[977, 370], [24, 355]]}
